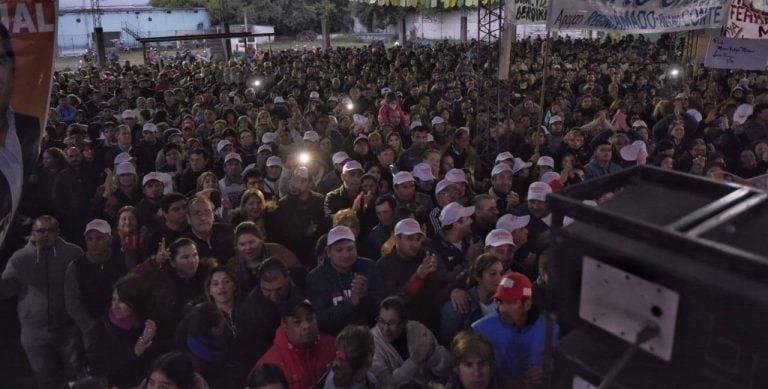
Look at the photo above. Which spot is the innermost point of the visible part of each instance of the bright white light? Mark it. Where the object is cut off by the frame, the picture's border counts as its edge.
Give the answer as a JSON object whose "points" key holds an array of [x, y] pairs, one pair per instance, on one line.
{"points": [[397, 43], [350, 106], [304, 158], [257, 83], [674, 72]]}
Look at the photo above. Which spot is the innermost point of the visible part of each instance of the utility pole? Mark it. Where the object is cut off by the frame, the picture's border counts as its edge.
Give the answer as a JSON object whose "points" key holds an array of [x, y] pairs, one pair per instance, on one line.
{"points": [[225, 29], [98, 33], [325, 24]]}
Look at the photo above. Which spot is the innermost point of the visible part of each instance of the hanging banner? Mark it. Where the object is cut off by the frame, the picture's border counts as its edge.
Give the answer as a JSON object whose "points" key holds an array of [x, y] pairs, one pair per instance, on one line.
{"points": [[27, 36], [744, 21], [736, 53], [637, 16], [521, 12]]}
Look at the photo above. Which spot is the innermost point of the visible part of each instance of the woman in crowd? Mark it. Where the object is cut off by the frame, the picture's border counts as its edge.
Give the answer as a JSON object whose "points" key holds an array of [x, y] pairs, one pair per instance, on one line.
{"points": [[354, 355], [174, 370], [252, 250], [253, 207], [208, 334], [405, 349], [484, 276], [208, 185], [127, 235], [122, 345], [475, 366]]}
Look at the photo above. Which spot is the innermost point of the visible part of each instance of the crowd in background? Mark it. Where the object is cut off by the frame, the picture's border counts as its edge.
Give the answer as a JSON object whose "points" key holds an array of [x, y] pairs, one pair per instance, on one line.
{"points": [[351, 218]]}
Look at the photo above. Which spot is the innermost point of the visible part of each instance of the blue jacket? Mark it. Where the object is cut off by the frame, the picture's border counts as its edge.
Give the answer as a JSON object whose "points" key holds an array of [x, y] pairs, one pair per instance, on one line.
{"points": [[330, 293], [516, 348], [594, 170]]}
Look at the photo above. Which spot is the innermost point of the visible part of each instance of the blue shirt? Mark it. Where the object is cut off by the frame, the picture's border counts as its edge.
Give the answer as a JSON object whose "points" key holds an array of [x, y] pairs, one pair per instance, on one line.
{"points": [[594, 170], [516, 348]]}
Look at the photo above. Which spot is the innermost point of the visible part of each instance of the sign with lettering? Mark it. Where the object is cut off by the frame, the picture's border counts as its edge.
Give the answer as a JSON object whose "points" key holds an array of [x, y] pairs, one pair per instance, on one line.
{"points": [[735, 53], [745, 21], [27, 36], [636, 16], [523, 12]]}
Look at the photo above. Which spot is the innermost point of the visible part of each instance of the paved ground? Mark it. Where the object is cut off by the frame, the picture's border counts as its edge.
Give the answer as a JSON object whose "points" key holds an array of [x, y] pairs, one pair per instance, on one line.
{"points": [[14, 369]]}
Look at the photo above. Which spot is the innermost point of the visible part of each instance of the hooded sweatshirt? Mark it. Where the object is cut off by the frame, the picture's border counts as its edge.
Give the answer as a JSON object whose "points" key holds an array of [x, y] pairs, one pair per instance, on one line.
{"points": [[303, 367], [37, 276]]}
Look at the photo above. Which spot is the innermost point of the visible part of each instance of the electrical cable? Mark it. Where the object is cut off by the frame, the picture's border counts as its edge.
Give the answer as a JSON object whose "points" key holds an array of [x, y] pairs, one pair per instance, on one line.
{"points": [[648, 332]]}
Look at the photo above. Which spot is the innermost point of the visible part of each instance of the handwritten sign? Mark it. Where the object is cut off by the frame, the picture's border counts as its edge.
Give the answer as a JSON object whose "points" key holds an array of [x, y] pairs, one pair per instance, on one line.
{"points": [[523, 12], [746, 20], [733, 53]]}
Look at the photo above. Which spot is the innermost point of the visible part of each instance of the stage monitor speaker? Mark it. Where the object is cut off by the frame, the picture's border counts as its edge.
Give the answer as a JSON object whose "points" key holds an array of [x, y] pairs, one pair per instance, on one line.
{"points": [[683, 254]]}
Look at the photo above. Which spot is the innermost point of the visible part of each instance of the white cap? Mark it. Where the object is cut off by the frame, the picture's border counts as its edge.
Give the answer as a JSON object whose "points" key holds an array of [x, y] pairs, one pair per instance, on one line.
{"points": [[555, 119], [264, 148], [402, 178], [504, 156], [632, 151], [456, 176], [423, 172], [99, 225], [149, 127], [408, 227], [415, 124], [539, 191], [302, 172], [346, 101], [268, 137], [311, 136], [512, 222], [150, 177], [430, 138], [128, 114], [520, 165], [232, 156], [125, 168], [123, 158], [360, 120], [452, 212], [351, 165], [360, 137], [546, 161], [279, 100], [500, 168], [544, 129], [340, 233], [385, 90], [499, 237], [442, 185], [549, 177], [742, 113], [437, 120], [222, 144], [333, 98], [274, 161], [314, 95], [340, 157], [639, 123]]}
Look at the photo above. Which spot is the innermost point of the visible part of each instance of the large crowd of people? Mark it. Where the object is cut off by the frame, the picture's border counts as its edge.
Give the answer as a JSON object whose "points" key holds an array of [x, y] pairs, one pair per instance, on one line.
{"points": [[350, 218]]}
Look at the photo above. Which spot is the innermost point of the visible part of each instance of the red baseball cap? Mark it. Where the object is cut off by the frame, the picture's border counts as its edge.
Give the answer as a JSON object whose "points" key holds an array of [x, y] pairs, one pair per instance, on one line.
{"points": [[514, 287]]}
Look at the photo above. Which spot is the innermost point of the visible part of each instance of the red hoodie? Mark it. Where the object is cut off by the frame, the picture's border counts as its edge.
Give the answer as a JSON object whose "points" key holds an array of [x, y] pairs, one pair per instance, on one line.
{"points": [[302, 367]]}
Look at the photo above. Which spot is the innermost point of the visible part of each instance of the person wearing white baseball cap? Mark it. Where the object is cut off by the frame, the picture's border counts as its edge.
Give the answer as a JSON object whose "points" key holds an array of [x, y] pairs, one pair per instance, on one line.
{"points": [[425, 180], [268, 138], [404, 191], [505, 157], [332, 179], [446, 192], [501, 244], [224, 147], [459, 179], [538, 212], [311, 136], [345, 195], [147, 209], [270, 186], [545, 164], [345, 289], [89, 278], [232, 185], [121, 189], [502, 180]]}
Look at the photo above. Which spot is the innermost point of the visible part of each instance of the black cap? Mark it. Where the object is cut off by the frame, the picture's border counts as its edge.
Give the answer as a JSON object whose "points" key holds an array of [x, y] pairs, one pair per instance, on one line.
{"points": [[289, 306]]}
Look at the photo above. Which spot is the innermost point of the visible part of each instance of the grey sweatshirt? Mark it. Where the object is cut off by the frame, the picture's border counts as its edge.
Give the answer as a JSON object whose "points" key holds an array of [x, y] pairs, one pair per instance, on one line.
{"points": [[37, 278]]}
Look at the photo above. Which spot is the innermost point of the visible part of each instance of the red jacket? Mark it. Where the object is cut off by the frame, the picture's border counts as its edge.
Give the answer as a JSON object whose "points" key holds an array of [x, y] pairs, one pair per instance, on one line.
{"points": [[302, 367]]}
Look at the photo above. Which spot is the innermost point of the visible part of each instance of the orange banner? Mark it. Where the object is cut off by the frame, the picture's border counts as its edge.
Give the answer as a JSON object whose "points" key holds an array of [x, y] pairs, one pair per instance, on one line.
{"points": [[27, 36]]}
